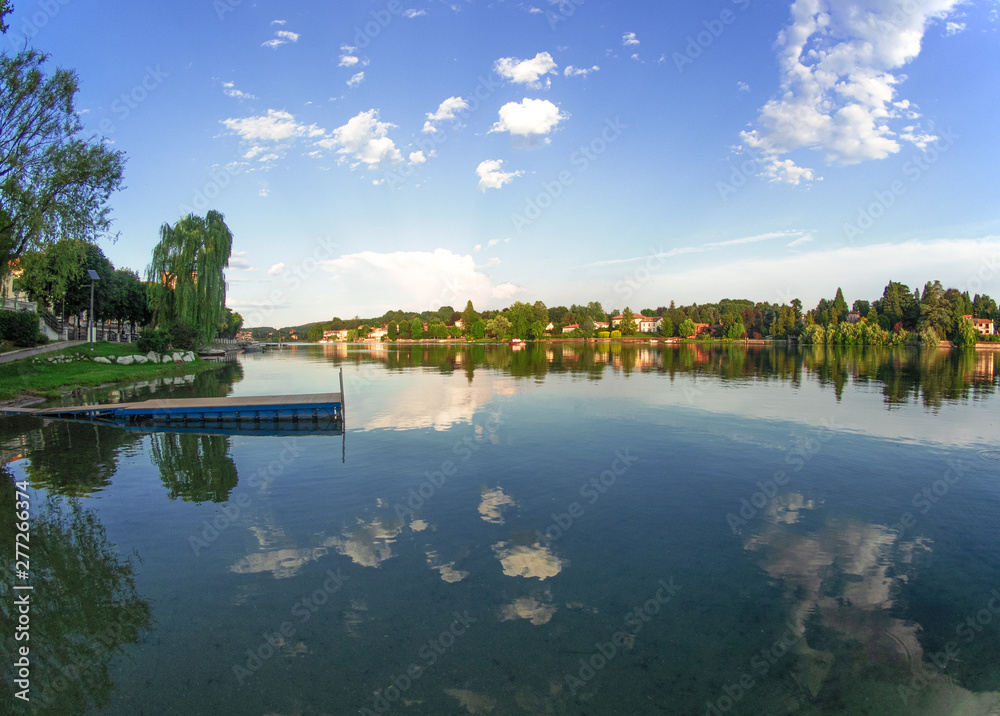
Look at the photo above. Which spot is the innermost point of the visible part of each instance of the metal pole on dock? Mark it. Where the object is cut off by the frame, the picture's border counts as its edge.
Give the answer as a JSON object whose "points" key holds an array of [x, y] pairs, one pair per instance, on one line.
{"points": [[343, 410]]}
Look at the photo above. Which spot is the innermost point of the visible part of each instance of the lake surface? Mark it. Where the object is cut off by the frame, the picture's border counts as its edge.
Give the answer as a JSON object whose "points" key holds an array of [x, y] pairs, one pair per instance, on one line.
{"points": [[554, 530]]}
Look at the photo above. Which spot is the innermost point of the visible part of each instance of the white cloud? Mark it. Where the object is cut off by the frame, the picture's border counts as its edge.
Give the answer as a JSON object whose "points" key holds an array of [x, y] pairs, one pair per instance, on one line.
{"points": [[278, 22], [237, 260], [492, 177], [286, 35], [264, 191], [838, 84], [526, 72], [229, 89], [348, 60], [953, 28], [492, 242], [411, 13], [416, 278], [365, 138], [742, 86], [448, 109], [417, 157], [859, 270], [703, 248], [530, 117], [276, 269], [276, 125], [273, 44], [356, 79], [571, 71], [629, 39]]}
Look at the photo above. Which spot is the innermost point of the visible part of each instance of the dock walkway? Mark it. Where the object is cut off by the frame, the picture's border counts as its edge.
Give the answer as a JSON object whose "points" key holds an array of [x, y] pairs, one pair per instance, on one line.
{"points": [[249, 409]]}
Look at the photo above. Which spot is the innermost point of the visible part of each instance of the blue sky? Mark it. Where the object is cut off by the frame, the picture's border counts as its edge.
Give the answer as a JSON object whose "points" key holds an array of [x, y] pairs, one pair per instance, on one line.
{"points": [[379, 155]]}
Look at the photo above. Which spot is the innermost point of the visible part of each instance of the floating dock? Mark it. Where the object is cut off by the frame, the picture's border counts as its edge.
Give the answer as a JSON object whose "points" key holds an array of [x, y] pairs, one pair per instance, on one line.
{"points": [[252, 409]]}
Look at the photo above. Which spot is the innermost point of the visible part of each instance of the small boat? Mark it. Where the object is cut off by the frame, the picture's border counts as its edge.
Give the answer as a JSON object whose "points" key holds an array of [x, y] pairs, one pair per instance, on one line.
{"points": [[516, 343]]}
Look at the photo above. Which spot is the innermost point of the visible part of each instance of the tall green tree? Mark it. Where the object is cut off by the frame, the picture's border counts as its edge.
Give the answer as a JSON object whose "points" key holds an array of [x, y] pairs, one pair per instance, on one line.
{"points": [[187, 286], [53, 183], [628, 325], [934, 310], [687, 328], [469, 316], [417, 329]]}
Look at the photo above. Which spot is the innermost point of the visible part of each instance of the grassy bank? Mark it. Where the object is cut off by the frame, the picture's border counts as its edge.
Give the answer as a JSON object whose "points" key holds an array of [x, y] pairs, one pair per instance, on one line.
{"points": [[38, 377]]}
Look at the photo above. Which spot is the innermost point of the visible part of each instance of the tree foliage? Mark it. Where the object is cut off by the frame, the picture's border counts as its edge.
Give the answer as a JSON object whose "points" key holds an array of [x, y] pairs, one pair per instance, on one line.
{"points": [[187, 287], [53, 183]]}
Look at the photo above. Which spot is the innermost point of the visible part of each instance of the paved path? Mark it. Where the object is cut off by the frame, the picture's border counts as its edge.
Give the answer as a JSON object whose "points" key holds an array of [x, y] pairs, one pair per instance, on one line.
{"points": [[28, 352]]}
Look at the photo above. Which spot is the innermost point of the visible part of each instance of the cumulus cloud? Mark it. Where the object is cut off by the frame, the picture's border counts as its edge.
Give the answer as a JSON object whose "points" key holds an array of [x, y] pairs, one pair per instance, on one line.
{"points": [[276, 125], [571, 71], [526, 72], [491, 175], [281, 37], [238, 260], [629, 39], [528, 118], [229, 89], [276, 269], [356, 79], [416, 278], [417, 157], [365, 139], [838, 63], [448, 109]]}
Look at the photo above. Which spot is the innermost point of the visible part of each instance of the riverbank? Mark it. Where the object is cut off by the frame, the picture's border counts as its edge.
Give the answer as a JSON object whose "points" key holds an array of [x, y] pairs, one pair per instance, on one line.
{"points": [[56, 373]]}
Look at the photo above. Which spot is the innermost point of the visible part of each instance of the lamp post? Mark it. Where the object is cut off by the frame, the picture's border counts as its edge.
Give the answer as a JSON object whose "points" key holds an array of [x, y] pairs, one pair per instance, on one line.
{"points": [[94, 278]]}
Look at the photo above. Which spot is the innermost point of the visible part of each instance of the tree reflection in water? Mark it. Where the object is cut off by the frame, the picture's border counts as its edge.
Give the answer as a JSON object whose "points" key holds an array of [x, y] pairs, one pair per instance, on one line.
{"points": [[194, 467], [84, 606]]}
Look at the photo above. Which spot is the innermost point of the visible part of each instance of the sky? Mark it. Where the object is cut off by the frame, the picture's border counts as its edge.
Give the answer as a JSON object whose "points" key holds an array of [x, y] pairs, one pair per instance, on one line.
{"points": [[410, 154]]}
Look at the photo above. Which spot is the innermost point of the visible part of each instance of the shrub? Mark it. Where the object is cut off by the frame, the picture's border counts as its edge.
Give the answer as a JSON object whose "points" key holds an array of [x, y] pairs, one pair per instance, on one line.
{"points": [[603, 334], [616, 334], [19, 327], [156, 340], [182, 337]]}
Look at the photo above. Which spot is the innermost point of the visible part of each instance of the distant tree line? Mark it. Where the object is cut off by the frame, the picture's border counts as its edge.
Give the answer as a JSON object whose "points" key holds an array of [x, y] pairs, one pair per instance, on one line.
{"points": [[899, 317]]}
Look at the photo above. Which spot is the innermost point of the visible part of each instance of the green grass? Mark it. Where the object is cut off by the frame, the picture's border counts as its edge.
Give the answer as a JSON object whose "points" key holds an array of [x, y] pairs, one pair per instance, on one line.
{"points": [[35, 376]]}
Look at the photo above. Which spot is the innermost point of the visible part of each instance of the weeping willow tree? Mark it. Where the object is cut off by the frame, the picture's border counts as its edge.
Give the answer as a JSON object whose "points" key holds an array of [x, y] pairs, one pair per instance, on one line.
{"points": [[187, 288]]}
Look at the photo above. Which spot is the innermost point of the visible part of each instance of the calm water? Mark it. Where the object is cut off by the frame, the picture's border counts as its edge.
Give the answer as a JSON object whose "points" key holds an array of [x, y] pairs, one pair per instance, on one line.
{"points": [[560, 531]]}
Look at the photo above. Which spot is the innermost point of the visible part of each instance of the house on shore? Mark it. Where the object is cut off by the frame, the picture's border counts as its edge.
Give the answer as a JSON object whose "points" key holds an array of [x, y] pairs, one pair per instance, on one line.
{"points": [[643, 324], [985, 326]]}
